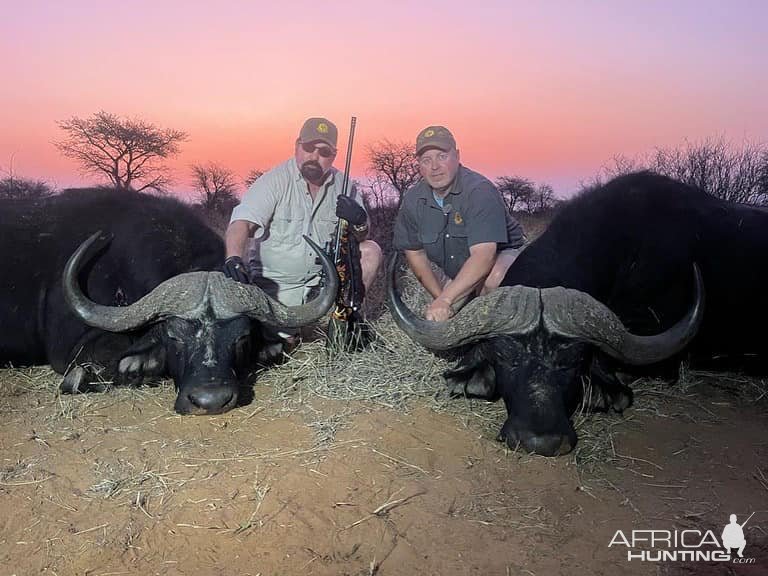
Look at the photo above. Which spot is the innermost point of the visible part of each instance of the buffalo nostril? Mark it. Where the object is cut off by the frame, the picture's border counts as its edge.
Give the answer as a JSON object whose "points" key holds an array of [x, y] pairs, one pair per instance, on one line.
{"points": [[552, 444], [622, 401], [543, 445], [211, 400], [548, 444], [565, 446]]}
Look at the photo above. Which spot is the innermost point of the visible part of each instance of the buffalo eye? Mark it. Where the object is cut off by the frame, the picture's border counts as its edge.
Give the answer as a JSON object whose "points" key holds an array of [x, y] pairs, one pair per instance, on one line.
{"points": [[242, 355], [177, 330]]}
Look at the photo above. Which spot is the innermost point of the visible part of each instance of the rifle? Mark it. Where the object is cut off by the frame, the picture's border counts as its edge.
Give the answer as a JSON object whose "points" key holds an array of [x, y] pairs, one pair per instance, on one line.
{"points": [[346, 330], [747, 520]]}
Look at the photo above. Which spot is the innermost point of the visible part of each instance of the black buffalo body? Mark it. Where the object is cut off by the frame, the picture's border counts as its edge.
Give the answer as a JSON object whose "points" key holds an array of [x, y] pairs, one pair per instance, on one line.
{"points": [[108, 285], [634, 275]]}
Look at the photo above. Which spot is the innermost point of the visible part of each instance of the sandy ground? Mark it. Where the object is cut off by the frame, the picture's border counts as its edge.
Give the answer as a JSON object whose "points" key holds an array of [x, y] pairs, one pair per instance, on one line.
{"points": [[292, 483]]}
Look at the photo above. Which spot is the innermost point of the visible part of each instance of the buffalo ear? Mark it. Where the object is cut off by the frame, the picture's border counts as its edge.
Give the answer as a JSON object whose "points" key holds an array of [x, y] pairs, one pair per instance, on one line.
{"points": [[476, 380], [606, 390]]}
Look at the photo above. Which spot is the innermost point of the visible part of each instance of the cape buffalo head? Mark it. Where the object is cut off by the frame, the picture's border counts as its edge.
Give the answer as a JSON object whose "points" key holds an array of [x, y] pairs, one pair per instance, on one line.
{"points": [[530, 346], [199, 326]]}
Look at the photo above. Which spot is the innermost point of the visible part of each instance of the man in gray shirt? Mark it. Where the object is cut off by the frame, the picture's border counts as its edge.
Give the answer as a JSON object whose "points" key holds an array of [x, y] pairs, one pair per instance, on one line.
{"points": [[300, 196], [457, 219]]}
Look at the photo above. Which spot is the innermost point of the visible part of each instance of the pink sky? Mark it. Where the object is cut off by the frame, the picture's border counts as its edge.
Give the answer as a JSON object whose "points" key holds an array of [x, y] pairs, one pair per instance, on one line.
{"points": [[545, 90]]}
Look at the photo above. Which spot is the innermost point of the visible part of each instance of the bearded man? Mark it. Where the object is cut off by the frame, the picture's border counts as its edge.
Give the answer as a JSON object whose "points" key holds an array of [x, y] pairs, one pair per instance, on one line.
{"points": [[301, 196]]}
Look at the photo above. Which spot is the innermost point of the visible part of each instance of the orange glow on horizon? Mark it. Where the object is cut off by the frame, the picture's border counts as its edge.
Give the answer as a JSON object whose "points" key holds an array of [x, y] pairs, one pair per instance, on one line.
{"points": [[546, 91]]}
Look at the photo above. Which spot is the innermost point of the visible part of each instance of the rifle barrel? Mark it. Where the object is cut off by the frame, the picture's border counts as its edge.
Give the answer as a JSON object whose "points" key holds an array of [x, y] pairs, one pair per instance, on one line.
{"points": [[344, 186], [348, 161], [747, 520]]}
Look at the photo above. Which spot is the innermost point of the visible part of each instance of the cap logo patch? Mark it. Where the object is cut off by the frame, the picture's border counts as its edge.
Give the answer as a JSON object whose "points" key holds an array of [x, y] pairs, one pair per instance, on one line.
{"points": [[428, 133], [322, 128]]}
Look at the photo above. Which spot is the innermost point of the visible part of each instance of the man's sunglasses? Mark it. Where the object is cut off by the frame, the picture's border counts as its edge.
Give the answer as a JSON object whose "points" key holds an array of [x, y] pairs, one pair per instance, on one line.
{"points": [[324, 151]]}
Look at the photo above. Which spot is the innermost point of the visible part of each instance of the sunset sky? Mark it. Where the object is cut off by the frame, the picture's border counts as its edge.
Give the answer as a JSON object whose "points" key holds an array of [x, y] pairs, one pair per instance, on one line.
{"points": [[548, 90]]}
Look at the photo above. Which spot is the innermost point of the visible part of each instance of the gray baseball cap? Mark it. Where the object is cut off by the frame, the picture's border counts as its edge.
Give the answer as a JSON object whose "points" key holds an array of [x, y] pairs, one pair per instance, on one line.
{"points": [[319, 130], [435, 137]]}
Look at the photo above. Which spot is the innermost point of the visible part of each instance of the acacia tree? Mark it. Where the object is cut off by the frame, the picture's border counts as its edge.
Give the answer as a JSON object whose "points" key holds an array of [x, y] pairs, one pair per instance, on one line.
{"points": [[216, 187], [128, 152], [393, 164]]}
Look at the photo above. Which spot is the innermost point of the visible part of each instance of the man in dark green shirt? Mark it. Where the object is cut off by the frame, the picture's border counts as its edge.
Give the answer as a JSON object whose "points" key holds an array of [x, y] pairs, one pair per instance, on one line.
{"points": [[457, 219]]}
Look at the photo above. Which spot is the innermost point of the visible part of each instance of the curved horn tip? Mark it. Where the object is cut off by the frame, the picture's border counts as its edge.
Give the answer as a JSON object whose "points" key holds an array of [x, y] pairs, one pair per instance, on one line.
{"points": [[281, 316], [394, 259], [313, 244], [99, 236]]}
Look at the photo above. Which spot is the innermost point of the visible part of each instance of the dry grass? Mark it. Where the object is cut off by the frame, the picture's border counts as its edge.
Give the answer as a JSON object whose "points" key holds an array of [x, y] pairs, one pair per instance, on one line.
{"points": [[392, 371], [684, 400], [18, 381]]}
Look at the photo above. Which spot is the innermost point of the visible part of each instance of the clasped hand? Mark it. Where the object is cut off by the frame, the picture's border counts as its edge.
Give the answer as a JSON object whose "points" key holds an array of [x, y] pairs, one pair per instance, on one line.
{"points": [[439, 311], [235, 268], [350, 211]]}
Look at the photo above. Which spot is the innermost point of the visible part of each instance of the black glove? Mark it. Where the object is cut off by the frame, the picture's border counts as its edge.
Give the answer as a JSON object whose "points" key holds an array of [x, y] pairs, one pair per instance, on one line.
{"points": [[350, 210], [235, 268]]}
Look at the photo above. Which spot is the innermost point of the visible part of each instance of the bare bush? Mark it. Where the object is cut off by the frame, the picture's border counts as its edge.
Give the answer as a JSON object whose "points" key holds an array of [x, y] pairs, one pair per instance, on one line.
{"points": [[216, 187], [515, 191], [393, 165], [13, 188], [738, 173], [522, 195], [542, 200]]}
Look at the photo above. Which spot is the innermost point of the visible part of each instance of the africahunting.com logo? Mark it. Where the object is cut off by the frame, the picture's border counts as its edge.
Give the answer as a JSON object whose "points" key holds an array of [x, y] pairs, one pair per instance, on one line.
{"points": [[685, 545]]}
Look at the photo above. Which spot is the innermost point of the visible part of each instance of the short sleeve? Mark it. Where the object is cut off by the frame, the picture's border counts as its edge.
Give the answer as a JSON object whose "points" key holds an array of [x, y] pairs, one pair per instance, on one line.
{"points": [[486, 218], [406, 235], [515, 233], [259, 201]]}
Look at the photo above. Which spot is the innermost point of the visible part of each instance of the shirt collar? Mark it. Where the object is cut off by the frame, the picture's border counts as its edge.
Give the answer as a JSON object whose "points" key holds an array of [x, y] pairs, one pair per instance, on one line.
{"points": [[454, 188]]}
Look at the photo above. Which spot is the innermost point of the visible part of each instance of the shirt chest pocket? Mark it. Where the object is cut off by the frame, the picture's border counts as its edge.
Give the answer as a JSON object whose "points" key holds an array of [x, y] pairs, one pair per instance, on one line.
{"points": [[456, 227], [448, 226], [433, 226], [286, 227], [323, 229]]}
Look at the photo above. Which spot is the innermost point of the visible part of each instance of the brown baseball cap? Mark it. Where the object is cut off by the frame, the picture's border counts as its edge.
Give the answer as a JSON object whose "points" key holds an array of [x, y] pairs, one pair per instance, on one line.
{"points": [[319, 130], [435, 137]]}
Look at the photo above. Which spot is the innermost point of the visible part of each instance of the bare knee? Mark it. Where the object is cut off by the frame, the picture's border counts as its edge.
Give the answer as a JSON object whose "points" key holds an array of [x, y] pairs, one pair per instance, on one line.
{"points": [[370, 249], [370, 260]]}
